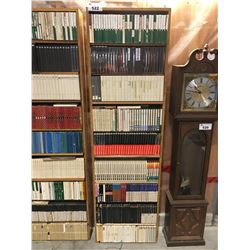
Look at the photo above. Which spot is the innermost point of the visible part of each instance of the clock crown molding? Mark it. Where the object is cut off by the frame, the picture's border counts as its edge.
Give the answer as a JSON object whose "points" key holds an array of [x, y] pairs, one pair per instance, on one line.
{"points": [[201, 55], [202, 63]]}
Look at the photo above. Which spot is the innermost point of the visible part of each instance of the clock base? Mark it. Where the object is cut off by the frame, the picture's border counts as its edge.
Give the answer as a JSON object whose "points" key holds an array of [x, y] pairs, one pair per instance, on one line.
{"points": [[184, 221], [176, 243]]}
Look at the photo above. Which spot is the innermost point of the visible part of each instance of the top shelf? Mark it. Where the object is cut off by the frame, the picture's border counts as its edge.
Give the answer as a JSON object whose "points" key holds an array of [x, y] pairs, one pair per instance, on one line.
{"points": [[108, 10], [54, 41]]}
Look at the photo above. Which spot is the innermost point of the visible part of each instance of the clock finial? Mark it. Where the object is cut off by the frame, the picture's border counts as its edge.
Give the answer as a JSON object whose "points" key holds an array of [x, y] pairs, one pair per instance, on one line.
{"points": [[205, 49]]}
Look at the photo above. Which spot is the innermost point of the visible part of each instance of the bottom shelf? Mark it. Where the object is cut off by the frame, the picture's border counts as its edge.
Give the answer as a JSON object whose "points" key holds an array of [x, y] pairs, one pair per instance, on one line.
{"points": [[60, 231], [126, 233]]}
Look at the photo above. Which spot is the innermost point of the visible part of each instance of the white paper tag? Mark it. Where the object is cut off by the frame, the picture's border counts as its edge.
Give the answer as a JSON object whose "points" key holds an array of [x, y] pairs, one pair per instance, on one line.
{"points": [[138, 54], [205, 126], [94, 7], [128, 54]]}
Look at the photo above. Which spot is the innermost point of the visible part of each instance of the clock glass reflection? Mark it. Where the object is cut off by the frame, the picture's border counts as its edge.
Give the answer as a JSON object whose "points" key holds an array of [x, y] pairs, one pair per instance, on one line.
{"points": [[192, 162]]}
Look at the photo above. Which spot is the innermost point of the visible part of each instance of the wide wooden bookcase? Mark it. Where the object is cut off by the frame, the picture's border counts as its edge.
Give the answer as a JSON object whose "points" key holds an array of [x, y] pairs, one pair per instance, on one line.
{"points": [[127, 53], [61, 174]]}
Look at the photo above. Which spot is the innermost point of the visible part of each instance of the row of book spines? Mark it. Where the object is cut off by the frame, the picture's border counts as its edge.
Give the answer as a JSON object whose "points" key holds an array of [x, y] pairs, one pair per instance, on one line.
{"points": [[127, 88], [50, 58], [57, 190], [124, 192], [54, 25], [125, 138], [60, 231], [132, 198], [131, 36], [125, 233], [126, 149], [125, 213], [57, 142], [49, 117], [128, 28], [56, 216], [127, 60], [132, 128], [62, 205]]}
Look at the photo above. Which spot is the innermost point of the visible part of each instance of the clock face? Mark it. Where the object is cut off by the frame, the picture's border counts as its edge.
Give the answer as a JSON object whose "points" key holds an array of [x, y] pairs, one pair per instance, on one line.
{"points": [[199, 92]]}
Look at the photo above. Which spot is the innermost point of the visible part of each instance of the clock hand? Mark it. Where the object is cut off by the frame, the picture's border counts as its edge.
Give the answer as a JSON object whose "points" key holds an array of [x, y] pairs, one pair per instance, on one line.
{"points": [[204, 99], [195, 86]]}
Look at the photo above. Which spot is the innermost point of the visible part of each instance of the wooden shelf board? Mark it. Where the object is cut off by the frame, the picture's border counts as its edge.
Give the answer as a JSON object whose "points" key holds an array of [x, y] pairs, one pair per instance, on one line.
{"points": [[111, 10], [54, 9], [128, 44], [128, 103], [125, 224], [57, 200], [127, 182], [125, 156], [58, 179], [55, 73], [57, 129], [71, 221], [128, 74], [128, 132], [54, 41], [56, 154], [60, 101]]}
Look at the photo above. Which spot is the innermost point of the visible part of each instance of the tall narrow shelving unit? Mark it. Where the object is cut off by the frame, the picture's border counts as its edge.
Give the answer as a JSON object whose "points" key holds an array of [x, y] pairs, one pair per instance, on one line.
{"points": [[61, 187], [127, 69]]}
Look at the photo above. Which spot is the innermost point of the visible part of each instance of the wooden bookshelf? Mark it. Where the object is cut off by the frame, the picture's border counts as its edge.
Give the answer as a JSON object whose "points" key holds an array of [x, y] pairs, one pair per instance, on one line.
{"points": [[79, 24], [161, 104]]}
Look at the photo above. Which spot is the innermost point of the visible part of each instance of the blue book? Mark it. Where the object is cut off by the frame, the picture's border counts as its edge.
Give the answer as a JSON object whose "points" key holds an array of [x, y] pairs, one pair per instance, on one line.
{"points": [[48, 137], [34, 142], [79, 136], [57, 142], [63, 142], [116, 186], [37, 141], [41, 144], [70, 142], [45, 148]]}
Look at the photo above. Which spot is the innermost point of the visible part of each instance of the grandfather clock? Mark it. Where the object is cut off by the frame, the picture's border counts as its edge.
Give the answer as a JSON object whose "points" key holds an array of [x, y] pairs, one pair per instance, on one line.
{"points": [[193, 110]]}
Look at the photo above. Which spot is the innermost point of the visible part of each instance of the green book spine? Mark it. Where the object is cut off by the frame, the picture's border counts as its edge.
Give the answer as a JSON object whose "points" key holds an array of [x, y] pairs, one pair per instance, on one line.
{"points": [[62, 190], [154, 29], [95, 36], [157, 30], [149, 30], [126, 28], [136, 19], [68, 32], [76, 33], [55, 191], [58, 191]]}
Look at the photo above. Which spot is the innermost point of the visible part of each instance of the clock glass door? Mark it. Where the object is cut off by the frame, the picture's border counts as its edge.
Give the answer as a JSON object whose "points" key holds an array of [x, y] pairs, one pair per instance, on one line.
{"points": [[193, 150], [192, 158]]}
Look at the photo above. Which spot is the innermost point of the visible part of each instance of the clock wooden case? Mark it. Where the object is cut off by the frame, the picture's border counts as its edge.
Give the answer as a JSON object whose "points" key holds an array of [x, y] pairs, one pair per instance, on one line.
{"points": [[193, 110]]}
